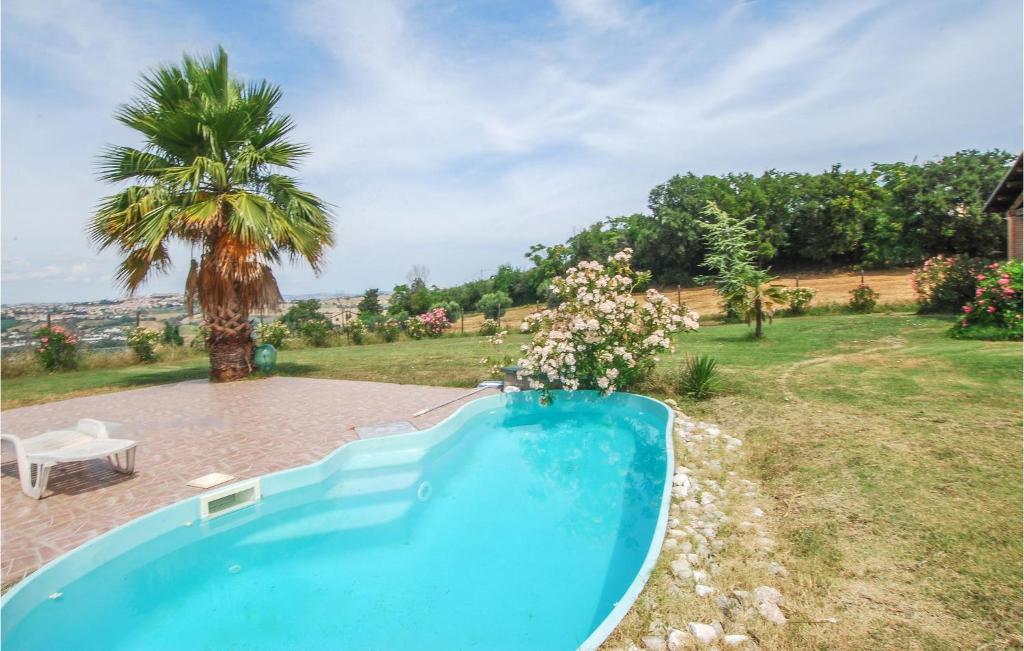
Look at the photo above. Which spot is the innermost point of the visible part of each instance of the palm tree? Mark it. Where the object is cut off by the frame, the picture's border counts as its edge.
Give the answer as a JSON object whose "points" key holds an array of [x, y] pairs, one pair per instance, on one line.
{"points": [[757, 298], [209, 175]]}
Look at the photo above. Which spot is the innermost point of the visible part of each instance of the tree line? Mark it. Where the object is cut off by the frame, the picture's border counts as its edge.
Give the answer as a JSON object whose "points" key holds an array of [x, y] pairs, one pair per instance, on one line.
{"points": [[891, 214]]}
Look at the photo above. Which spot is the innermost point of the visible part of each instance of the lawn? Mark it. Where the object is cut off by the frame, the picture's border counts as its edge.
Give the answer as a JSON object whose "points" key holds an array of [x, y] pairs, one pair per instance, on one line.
{"points": [[889, 455]]}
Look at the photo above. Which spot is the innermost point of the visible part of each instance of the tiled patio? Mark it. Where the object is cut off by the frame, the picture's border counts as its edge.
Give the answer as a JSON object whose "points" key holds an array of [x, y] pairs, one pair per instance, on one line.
{"points": [[184, 431]]}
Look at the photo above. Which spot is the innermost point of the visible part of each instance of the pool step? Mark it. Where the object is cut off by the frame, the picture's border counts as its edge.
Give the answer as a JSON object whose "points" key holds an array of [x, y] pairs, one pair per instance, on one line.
{"points": [[386, 459], [330, 521], [354, 485]]}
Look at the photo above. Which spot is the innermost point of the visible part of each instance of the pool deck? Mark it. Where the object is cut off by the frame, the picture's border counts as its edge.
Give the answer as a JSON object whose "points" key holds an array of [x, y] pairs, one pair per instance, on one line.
{"points": [[184, 431]]}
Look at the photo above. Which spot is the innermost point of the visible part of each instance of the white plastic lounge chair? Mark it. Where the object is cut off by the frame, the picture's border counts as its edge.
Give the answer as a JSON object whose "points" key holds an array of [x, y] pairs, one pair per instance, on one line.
{"points": [[89, 439]]}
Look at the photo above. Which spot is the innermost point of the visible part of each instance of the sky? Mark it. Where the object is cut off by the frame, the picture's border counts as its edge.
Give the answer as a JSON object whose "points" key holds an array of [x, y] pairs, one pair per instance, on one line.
{"points": [[454, 135]]}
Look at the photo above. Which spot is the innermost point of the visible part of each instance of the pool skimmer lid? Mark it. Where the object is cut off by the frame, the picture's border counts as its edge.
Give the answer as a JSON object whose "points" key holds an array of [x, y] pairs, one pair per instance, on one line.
{"points": [[211, 480]]}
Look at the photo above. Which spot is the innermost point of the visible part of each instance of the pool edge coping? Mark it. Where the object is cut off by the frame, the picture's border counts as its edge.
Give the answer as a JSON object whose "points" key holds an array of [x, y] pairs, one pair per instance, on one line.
{"points": [[622, 607]]}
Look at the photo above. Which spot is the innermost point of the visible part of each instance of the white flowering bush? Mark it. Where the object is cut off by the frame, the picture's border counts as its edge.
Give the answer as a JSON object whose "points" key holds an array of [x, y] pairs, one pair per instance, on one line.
{"points": [[600, 336]]}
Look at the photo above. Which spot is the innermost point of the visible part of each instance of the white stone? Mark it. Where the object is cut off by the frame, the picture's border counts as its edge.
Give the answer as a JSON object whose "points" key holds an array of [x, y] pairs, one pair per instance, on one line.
{"points": [[693, 559], [735, 640], [772, 613], [677, 640], [670, 543], [741, 595], [652, 643], [777, 569], [681, 568], [690, 505], [676, 533], [687, 547], [704, 633], [703, 590], [757, 513], [699, 576], [767, 594]]}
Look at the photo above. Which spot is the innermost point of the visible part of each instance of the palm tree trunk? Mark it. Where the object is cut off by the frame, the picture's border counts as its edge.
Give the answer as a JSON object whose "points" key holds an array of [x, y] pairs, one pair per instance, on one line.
{"points": [[230, 345], [757, 317]]}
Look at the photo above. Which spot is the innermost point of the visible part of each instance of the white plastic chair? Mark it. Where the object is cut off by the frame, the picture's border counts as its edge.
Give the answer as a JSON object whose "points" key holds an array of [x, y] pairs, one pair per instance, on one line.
{"points": [[89, 439]]}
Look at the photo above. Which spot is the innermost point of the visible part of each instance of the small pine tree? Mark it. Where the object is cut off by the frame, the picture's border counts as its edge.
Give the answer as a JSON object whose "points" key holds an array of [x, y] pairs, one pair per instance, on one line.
{"points": [[370, 303]]}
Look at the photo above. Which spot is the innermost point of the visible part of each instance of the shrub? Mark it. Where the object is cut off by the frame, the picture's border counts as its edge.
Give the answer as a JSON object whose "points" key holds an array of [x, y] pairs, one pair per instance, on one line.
{"points": [[317, 332], [171, 335], [273, 333], [142, 342], [434, 322], [946, 284], [700, 377], [57, 349], [600, 337], [493, 305], [995, 311], [356, 331], [489, 328], [863, 298], [202, 334], [389, 330], [798, 299], [415, 328], [302, 312], [452, 310]]}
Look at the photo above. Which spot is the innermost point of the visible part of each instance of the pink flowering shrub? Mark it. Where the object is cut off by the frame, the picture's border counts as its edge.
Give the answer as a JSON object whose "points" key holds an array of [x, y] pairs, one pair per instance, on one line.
{"points": [[434, 322], [599, 336], [995, 311], [57, 349], [944, 284]]}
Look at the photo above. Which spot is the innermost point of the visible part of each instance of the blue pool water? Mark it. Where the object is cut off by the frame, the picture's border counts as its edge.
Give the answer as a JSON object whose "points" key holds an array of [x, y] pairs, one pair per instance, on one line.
{"points": [[510, 526]]}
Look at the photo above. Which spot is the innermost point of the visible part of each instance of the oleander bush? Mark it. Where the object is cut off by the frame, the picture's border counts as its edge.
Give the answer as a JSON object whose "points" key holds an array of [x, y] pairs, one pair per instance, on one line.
{"points": [[142, 342], [57, 348], [356, 331], [944, 284], [995, 310], [599, 336], [317, 332], [434, 322], [489, 328], [389, 329], [274, 333]]}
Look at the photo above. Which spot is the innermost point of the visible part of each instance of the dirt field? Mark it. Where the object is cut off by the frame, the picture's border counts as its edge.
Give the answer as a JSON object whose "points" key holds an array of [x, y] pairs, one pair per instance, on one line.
{"points": [[893, 287]]}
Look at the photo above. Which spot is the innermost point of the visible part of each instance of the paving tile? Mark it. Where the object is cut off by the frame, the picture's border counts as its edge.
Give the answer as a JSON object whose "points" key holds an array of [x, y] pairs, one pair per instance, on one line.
{"points": [[183, 431]]}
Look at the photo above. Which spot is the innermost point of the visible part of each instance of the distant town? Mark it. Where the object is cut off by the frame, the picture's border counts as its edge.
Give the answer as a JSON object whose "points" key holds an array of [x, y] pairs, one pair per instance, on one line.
{"points": [[106, 323]]}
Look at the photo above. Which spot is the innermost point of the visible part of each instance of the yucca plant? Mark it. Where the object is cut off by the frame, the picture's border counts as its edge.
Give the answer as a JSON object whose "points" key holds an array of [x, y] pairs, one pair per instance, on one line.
{"points": [[209, 175], [700, 378]]}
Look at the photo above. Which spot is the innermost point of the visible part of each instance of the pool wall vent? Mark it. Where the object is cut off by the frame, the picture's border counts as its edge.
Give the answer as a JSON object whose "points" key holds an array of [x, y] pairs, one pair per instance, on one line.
{"points": [[228, 499]]}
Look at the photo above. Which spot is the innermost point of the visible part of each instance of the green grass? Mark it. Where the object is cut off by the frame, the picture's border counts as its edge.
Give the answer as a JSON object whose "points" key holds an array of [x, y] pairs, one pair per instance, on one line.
{"points": [[890, 453]]}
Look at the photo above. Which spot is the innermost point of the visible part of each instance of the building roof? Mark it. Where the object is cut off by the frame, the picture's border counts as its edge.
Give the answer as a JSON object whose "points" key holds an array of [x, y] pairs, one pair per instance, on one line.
{"points": [[1008, 189]]}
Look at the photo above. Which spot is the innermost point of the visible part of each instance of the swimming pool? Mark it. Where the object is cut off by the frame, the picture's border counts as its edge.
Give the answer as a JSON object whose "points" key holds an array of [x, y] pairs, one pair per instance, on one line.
{"points": [[511, 525]]}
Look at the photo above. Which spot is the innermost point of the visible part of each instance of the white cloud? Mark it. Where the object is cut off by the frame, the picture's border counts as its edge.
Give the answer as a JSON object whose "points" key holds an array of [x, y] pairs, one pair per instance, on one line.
{"points": [[460, 156]]}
